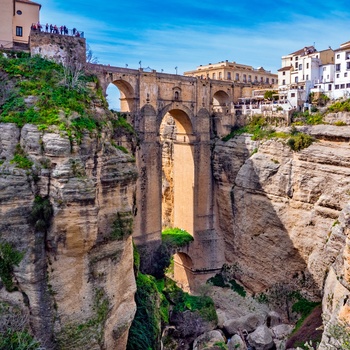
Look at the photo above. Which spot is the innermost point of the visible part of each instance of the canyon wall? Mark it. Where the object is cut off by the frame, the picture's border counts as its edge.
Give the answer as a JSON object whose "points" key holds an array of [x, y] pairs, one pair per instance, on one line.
{"points": [[278, 210], [70, 215]]}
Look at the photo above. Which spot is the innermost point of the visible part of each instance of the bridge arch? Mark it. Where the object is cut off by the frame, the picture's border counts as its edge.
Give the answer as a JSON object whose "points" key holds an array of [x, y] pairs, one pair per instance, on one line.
{"points": [[221, 101], [178, 169], [127, 95], [183, 266]]}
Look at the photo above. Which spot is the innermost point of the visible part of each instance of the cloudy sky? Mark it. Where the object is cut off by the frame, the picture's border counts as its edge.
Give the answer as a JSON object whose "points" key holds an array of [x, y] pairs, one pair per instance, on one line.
{"points": [[187, 33]]}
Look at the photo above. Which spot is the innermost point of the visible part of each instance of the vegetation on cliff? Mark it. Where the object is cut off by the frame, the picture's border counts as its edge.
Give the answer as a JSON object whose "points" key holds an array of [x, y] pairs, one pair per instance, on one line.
{"points": [[9, 257], [260, 130], [37, 91]]}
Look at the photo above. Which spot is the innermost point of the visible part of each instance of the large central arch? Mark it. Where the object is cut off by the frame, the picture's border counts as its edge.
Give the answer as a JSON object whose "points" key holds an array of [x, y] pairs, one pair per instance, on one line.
{"points": [[178, 172]]}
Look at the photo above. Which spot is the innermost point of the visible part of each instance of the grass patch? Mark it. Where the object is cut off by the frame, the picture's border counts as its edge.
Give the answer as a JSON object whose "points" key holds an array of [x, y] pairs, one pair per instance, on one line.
{"points": [[176, 237]]}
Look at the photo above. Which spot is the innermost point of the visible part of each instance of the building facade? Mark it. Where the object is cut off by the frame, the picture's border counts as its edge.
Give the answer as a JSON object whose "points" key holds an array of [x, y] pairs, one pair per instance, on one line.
{"points": [[16, 18], [232, 71]]}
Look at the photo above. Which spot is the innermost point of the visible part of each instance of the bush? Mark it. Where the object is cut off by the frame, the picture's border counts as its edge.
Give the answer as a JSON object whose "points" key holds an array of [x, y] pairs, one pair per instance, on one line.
{"points": [[145, 329], [300, 141], [20, 340], [9, 257], [41, 214]]}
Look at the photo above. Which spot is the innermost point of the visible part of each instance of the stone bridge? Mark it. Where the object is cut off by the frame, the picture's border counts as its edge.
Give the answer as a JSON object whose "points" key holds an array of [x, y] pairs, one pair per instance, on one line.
{"points": [[176, 117]]}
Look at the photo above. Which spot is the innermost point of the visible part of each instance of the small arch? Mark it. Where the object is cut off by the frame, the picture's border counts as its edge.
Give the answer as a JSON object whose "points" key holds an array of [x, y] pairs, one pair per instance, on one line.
{"points": [[220, 101], [183, 265], [126, 97]]}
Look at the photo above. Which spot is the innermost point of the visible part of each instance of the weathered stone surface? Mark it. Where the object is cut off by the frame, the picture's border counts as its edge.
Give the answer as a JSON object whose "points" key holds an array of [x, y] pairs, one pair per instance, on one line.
{"points": [[75, 270], [207, 340], [236, 343], [281, 331], [261, 338], [248, 322], [279, 206]]}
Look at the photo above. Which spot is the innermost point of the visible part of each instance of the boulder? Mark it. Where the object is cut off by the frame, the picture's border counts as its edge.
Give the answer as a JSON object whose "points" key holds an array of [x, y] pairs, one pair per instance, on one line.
{"points": [[281, 331], [208, 340], [261, 338], [248, 322], [273, 319], [236, 343]]}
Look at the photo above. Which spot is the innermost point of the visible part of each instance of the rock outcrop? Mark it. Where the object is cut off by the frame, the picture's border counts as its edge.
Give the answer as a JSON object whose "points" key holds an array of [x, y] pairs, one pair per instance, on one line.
{"points": [[76, 277], [276, 207]]}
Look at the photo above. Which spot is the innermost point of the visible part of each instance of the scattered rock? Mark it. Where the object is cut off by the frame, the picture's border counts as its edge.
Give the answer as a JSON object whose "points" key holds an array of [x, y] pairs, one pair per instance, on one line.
{"points": [[261, 338], [273, 319], [248, 322], [281, 331], [236, 343], [208, 340]]}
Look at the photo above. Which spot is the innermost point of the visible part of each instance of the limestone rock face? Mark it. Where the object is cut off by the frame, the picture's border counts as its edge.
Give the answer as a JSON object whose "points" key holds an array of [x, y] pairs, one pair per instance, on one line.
{"points": [[276, 208], [76, 277]]}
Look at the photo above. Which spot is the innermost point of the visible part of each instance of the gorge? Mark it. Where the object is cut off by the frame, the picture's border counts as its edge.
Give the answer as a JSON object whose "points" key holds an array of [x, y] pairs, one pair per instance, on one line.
{"points": [[79, 183]]}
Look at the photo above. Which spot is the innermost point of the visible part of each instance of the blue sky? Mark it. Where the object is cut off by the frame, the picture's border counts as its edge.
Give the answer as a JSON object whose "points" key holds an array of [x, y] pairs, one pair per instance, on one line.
{"points": [[185, 34]]}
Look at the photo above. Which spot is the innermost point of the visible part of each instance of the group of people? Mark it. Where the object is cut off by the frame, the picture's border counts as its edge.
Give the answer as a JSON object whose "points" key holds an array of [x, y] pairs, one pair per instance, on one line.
{"points": [[63, 30]]}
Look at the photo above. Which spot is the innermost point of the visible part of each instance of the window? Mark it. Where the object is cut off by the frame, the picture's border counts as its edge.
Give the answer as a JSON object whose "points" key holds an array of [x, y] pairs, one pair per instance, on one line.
{"points": [[300, 66], [296, 79], [214, 76], [337, 67], [338, 75], [347, 65], [296, 65], [347, 55], [345, 75], [284, 73], [283, 82], [327, 76], [342, 86], [307, 76], [307, 65], [228, 75], [273, 80], [296, 58], [329, 87], [338, 56], [336, 87], [324, 68], [19, 12], [256, 79], [348, 85], [244, 78], [261, 79], [19, 31], [267, 81], [176, 96], [292, 94], [249, 78], [237, 76], [220, 75]]}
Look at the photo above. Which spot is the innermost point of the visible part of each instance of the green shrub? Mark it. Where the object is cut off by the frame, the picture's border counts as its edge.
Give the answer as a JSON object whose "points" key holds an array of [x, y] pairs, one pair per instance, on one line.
{"points": [[122, 226], [238, 288], [145, 329], [300, 141], [41, 213], [9, 257], [340, 106], [340, 123]]}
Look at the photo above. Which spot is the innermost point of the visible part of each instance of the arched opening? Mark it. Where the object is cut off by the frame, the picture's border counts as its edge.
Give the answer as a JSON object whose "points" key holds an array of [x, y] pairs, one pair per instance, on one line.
{"points": [[221, 102], [120, 96], [183, 271], [113, 97], [177, 171]]}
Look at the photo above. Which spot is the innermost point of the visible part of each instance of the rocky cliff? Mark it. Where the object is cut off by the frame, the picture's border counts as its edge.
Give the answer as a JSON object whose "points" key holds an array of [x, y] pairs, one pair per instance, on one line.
{"points": [[76, 277], [278, 211]]}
